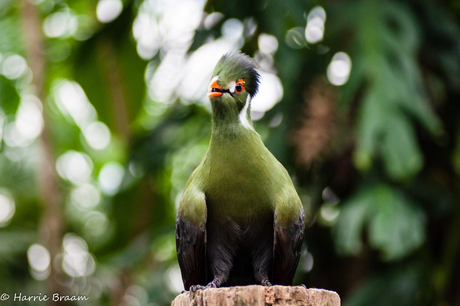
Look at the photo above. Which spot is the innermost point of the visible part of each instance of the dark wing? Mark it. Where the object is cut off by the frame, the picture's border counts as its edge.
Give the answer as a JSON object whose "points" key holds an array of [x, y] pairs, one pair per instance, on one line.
{"points": [[191, 249], [286, 249]]}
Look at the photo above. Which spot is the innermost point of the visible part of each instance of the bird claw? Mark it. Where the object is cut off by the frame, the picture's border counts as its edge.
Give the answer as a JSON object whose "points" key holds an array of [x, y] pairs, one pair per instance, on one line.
{"points": [[212, 285], [266, 282], [302, 285], [194, 288]]}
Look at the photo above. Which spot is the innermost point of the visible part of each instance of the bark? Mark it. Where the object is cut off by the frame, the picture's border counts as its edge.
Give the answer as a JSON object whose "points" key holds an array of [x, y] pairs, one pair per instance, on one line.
{"points": [[115, 85], [258, 296], [52, 220]]}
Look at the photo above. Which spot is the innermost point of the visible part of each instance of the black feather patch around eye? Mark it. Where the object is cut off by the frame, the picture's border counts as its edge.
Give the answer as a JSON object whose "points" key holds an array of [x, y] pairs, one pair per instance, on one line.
{"points": [[243, 67]]}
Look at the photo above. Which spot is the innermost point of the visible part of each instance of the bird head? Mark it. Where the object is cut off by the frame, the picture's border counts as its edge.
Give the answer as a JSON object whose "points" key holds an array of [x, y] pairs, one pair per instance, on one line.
{"points": [[234, 82]]}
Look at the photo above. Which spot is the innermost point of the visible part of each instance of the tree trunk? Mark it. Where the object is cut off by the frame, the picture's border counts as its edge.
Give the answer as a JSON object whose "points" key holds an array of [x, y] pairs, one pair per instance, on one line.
{"points": [[51, 228], [258, 296]]}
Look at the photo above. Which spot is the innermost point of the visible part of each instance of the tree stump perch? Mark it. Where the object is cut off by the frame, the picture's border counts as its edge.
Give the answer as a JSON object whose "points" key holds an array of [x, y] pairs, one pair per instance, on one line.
{"points": [[257, 295]]}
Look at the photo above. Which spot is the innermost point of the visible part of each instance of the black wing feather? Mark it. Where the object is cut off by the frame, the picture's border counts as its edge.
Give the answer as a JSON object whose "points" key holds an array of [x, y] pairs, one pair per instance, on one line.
{"points": [[286, 250], [191, 250]]}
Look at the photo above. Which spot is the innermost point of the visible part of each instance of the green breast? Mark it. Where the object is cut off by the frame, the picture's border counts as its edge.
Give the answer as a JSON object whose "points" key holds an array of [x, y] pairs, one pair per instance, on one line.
{"points": [[241, 178]]}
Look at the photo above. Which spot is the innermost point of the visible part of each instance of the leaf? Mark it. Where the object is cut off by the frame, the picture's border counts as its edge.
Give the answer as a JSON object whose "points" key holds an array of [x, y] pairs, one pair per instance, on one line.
{"points": [[11, 37], [9, 97], [394, 92], [401, 153], [370, 122], [348, 229], [397, 287], [395, 226]]}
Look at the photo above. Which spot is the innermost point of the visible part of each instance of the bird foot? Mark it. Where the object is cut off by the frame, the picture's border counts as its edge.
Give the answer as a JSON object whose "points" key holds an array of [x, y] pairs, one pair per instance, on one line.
{"points": [[194, 288], [302, 285], [266, 282], [212, 284]]}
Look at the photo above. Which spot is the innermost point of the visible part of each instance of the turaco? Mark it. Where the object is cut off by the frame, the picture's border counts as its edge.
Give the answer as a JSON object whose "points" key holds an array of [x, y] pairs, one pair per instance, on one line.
{"points": [[240, 220]]}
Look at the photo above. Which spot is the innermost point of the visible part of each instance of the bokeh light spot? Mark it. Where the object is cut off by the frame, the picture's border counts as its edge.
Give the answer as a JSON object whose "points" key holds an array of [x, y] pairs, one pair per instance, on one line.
{"points": [[173, 279], [108, 10], [7, 208], [14, 66], [295, 38], [77, 262], [12, 137], [97, 134], [39, 260], [270, 92], [314, 31], [308, 261], [74, 166], [97, 223], [212, 19], [111, 177], [232, 28], [329, 212], [317, 11], [62, 24], [268, 44], [29, 120], [72, 101], [339, 69], [85, 196]]}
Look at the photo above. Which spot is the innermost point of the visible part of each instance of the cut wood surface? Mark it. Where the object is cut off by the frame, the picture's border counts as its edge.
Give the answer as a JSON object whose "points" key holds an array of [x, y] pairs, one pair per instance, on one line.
{"points": [[258, 295]]}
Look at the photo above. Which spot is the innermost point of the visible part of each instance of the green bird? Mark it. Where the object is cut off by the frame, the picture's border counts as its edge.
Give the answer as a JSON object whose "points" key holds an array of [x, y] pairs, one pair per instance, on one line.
{"points": [[240, 220]]}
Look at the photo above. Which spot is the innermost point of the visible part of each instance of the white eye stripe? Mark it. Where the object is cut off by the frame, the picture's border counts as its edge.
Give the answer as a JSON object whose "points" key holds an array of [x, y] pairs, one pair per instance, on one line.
{"points": [[243, 116], [231, 86]]}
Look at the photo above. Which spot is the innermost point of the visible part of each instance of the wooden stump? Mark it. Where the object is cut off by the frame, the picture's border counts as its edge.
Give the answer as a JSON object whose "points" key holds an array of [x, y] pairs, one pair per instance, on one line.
{"points": [[258, 296]]}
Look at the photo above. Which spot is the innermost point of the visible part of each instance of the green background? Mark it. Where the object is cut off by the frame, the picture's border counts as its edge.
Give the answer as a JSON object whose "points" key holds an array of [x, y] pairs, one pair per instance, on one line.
{"points": [[376, 161]]}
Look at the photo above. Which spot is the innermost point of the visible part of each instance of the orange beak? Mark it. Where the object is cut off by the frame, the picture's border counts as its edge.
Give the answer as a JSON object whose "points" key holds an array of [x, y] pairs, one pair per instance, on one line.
{"points": [[214, 89]]}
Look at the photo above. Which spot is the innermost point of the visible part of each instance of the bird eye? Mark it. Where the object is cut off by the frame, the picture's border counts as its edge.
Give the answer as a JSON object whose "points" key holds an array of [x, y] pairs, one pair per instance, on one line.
{"points": [[239, 87]]}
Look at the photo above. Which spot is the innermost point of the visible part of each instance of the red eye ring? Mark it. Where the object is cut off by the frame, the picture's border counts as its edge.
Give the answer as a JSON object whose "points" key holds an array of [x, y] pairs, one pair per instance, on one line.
{"points": [[239, 87]]}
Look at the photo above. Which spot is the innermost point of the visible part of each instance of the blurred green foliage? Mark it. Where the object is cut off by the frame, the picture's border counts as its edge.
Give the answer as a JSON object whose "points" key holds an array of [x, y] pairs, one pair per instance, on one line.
{"points": [[124, 115]]}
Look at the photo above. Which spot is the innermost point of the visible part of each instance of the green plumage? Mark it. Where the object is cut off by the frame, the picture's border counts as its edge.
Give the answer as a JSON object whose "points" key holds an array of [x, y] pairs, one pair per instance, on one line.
{"points": [[240, 179], [238, 193]]}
